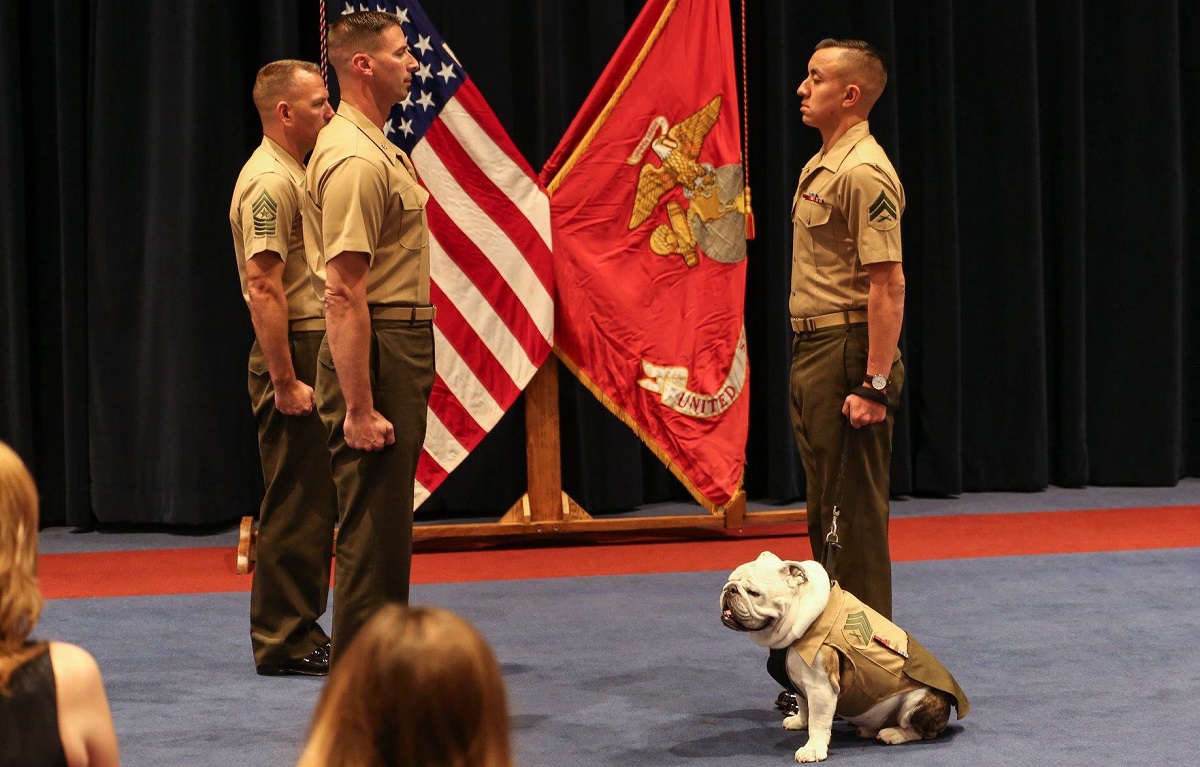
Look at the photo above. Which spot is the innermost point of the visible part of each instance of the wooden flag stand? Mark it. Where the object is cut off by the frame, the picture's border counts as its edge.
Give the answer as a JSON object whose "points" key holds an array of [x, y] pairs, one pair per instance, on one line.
{"points": [[545, 508]]}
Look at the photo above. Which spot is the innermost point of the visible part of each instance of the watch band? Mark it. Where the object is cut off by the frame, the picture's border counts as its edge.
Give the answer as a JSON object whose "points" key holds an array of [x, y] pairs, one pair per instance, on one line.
{"points": [[866, 392]]}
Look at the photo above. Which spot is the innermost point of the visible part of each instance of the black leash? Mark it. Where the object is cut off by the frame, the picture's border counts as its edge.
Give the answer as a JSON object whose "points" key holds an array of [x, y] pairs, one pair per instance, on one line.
{"points": [[832, 547], [788, 702]]}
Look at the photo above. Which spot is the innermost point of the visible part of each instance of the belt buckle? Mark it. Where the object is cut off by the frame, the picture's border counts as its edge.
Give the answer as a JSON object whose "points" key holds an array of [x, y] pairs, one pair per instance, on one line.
{"points": [[810, 324]]}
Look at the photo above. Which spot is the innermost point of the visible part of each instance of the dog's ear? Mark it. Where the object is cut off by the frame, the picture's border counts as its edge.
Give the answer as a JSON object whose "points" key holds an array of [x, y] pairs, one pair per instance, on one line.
{"points": [[794, 570]]}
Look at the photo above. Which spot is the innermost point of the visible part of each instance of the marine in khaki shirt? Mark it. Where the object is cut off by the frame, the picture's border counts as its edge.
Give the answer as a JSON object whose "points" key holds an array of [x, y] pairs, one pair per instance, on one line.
{"points": [[299, 508], [847, 306], [265, 216], [366, 193], [846, 214], [368, 244]]}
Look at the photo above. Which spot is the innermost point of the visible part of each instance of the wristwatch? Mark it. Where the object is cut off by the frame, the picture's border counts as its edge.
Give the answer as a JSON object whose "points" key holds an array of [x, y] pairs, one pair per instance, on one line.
{"points": [[877, 381]]}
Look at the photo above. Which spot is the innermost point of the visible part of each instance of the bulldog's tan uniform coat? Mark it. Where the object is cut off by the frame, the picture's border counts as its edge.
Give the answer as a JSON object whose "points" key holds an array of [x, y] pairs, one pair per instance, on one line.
{"points": [[876, 648]]}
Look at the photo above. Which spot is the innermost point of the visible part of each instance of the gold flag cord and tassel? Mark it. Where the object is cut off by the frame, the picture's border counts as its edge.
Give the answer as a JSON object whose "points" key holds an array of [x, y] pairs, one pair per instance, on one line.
{"points": [[746, 133]]}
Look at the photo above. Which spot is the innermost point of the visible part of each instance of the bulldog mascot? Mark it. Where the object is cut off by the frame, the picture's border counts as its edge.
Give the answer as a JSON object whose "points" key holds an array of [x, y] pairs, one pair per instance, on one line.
{"points": [[842, 657]]}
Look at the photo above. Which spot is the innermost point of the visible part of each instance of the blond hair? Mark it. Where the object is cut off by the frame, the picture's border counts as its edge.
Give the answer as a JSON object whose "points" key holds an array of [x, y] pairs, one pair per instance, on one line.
{"points": [[417, 687], [20, 600], [275, 81]]}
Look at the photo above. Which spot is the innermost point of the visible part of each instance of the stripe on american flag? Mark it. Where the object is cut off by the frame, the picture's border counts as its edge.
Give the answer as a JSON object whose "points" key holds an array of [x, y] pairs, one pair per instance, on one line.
{"points": [[513, 177], [488, 235], [479, 333], [469, 103], [475, 369], [487, 293], [450, 409]]}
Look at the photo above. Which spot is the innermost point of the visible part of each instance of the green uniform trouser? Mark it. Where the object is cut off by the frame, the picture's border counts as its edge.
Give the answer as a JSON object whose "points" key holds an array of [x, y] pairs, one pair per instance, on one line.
{"points": [[826, 365], [295, 523], [375, 489]]}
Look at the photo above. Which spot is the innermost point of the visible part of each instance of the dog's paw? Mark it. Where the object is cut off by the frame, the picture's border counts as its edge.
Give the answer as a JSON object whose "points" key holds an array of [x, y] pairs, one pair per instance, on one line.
{"points": [[896, 735], [812, 752], [796, 722]]}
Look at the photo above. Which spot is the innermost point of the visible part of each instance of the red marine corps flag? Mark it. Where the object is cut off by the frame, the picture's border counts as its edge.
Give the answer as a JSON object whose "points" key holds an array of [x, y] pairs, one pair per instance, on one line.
{"points": [[649, 214]]}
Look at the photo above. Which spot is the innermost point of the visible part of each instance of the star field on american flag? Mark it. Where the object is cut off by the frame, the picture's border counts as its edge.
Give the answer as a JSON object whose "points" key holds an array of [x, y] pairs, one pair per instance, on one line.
{"points": [[433, 84]]}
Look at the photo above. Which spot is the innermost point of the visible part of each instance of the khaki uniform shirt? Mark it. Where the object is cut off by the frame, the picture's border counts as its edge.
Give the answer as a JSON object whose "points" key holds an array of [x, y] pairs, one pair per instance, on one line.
{"points": [[363, 196], [882, 654], [846, 213], [266, 215]]}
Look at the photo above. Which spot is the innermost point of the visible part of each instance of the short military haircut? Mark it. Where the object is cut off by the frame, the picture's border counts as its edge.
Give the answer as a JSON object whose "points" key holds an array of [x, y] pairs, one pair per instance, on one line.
{"points": [[357, 33], [275, 81], [865, 60]]}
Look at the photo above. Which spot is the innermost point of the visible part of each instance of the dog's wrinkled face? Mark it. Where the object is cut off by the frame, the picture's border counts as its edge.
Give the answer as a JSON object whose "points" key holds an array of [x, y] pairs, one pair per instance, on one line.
{"points": [[764, 598], [758, 592]]}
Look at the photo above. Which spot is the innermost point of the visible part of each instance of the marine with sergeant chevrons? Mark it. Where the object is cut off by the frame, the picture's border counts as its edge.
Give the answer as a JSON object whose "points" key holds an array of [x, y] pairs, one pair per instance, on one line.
{"points": [[846, 306], [296, 519]]}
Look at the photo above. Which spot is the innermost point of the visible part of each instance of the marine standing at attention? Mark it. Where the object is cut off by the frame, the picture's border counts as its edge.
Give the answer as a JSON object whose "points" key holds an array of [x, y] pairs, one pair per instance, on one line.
{"points": [[847, 305], [299, 508], [368, 243]]}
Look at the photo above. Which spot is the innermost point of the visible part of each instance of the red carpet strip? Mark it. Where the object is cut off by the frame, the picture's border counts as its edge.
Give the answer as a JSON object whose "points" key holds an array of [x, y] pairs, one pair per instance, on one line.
{"points": [[211, 570]]}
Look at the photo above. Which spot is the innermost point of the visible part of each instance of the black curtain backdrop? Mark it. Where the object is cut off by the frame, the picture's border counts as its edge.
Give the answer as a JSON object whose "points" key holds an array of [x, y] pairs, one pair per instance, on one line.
{"points": [[1048, 150]]}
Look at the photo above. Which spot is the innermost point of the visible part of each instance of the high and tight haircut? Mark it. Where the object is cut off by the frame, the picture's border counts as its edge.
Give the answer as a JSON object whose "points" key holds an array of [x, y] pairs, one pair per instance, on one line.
{"points": [[275, 80], [866, 58], [357, 33]]}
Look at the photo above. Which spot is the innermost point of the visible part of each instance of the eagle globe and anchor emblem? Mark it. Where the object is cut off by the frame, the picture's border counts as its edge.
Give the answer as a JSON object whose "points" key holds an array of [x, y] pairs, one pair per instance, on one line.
{"points": [[712, 221]]}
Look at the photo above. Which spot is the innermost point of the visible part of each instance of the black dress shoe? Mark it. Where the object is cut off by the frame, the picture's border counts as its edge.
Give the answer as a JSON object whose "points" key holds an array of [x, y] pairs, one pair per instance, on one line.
{"points": [[788, 703], [316, 663]]}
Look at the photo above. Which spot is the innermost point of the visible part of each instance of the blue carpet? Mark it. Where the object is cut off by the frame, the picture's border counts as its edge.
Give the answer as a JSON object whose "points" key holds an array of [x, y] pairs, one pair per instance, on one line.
{"points": [[1068, 660]]}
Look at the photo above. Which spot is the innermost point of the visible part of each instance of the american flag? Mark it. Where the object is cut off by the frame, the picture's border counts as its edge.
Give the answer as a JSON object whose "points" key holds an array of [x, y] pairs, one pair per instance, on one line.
{"points": [[490, 249]]}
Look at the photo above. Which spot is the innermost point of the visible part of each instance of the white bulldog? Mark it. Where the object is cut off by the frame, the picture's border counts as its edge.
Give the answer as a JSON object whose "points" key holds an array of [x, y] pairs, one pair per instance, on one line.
{"points": [[842, 656]]}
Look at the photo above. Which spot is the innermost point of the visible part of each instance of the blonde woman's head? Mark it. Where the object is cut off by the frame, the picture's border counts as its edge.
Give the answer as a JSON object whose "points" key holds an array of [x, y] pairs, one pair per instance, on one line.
{"points": [[416, 686]]}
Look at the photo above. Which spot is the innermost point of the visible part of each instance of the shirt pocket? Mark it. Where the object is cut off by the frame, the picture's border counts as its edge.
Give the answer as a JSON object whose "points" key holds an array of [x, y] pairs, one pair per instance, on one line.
{"points": [[414, 231], [813, 214], [812, 220]]}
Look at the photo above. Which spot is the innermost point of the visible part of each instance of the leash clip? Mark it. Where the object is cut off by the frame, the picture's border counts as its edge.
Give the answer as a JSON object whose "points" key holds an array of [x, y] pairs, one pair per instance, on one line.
{"points": [[831, 545], [829, 555], [833, 536]]}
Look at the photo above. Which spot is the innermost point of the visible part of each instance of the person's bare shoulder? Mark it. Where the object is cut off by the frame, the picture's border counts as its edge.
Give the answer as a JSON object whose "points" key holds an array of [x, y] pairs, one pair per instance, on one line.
{"points": [[73, 664], [84, 718]]}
